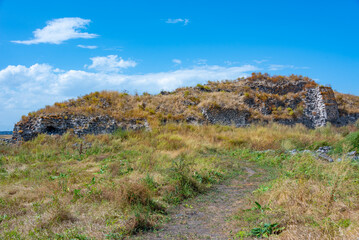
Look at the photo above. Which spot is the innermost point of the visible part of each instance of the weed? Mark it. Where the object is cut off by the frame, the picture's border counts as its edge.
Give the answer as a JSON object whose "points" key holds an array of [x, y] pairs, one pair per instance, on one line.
{"points": [[121, 134], [71, 234], [115, 236], [260, 207], [185, 186], [267, 229], [350, 143], [140, 221], [3, 218], [150, 182], [76, 195]]}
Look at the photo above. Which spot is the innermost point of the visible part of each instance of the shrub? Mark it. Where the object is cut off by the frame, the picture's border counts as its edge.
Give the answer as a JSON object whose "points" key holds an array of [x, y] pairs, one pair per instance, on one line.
{"points": [[353, 140], [267, 229], [121, 134], [185, 185], [350, 143], [170, 142]]}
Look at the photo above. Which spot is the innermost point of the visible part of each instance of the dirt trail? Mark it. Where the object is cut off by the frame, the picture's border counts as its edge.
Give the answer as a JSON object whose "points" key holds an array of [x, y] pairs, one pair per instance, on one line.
{"points": [[207, 216]]}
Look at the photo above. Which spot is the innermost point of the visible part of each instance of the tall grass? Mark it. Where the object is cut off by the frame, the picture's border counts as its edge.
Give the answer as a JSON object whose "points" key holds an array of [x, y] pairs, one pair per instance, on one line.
{"points": [[65, 187], [310, 199]]}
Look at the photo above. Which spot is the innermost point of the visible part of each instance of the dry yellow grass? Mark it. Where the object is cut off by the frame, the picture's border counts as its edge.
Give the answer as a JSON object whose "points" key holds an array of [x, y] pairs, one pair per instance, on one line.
{"points": [[189, 101], [119, 184], [6, 136]]}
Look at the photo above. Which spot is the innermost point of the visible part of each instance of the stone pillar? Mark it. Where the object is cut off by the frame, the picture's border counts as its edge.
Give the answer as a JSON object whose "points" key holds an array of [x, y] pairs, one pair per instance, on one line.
{"points": [[321, 106]]}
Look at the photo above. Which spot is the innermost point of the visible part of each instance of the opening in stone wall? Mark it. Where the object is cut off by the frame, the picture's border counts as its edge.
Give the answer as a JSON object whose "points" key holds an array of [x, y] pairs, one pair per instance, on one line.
{"points": [[52, 130]]}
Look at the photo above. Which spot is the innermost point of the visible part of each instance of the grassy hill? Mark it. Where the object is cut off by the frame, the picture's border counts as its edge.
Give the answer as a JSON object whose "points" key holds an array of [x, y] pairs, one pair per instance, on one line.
{"points": [[265, 97], [124, 184]]}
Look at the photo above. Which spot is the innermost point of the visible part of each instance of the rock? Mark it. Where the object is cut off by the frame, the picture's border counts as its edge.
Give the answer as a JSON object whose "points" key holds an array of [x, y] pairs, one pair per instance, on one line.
{"points": [[352, 154], [325, 149], [193, 120], [165, 93], [6, 141], [307, 151], [325, 157], [293, 152]]}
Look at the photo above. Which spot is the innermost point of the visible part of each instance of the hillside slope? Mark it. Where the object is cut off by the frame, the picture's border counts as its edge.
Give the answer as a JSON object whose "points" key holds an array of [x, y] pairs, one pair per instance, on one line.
{"points": [[259, 98]]}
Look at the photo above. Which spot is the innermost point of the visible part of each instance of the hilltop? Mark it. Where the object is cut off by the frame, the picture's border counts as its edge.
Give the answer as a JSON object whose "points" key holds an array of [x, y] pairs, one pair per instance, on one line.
{"points": [[260, 98], [190, 170]]}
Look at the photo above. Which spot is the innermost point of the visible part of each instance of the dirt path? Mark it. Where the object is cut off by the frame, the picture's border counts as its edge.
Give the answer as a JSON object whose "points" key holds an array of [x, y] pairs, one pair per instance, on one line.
{"points": [[207, 216]]}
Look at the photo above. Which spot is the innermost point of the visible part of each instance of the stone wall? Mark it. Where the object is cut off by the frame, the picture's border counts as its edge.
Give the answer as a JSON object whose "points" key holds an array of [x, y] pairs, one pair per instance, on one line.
{"points": [[331, 105], [280, 88], [226, 116], [321, 107], [53, 124]]}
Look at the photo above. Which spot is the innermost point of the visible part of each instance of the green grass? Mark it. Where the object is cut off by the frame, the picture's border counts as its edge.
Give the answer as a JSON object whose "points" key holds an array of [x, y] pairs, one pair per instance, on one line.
{"points": [[307, 197], [111, 186]]}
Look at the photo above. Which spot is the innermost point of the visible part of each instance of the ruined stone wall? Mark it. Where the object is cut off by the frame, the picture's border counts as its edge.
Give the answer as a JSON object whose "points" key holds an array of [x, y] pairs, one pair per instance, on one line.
{"points": [[280, 88], [53, 124], [321, 106], [225, 116], [331, 105]]}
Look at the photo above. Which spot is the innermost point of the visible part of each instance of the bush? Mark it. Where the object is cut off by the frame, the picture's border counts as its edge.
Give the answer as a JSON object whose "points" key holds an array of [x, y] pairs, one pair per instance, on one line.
{"points": [[170, 142], [353, 140], [185, 185], [350, 143], [121, 133]]}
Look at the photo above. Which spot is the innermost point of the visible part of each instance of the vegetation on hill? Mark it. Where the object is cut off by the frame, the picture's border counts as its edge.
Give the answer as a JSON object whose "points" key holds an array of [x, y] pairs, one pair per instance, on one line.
{"points": [[111, 186], [265, 97]]}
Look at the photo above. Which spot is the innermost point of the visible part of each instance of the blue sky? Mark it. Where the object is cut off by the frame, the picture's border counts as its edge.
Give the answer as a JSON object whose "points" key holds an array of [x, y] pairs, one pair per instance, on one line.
{"points": [[55, 50]]}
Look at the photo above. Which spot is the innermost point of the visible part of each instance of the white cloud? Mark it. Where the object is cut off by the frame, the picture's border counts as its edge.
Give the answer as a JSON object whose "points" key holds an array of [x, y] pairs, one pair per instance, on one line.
{"points": [[110, 63], [278, 67], [87, 46], [231, 63], [59, 30], [185, 21], [260, 61], [25, 89], [200, 61], [177, 61], [117, 49]]}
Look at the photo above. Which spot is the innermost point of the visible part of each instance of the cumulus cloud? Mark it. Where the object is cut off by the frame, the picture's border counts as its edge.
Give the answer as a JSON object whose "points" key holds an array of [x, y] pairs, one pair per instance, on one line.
{"points": [[110, 63], [26, 89], [59, 30], [177, 61], [185, 21], [87, 46]]}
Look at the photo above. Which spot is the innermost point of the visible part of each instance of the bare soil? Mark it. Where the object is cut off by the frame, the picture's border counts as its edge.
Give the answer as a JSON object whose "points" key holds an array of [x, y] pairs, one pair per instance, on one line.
{"points": [[208, 216]]}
